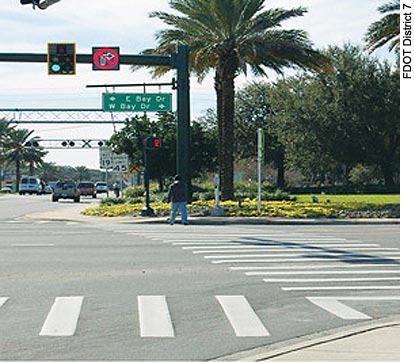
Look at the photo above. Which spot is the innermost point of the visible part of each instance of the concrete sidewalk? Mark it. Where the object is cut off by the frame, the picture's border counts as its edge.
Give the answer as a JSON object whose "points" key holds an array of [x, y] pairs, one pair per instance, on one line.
{"points": [[370, 341]]}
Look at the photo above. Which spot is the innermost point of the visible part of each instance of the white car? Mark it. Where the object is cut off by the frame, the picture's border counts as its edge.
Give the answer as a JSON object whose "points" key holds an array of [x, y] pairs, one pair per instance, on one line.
{"points": [[101, 187], [30, 185]]}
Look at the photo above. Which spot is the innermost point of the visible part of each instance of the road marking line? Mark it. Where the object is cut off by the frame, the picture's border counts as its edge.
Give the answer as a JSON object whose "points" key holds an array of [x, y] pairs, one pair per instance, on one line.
{"points": [[29, 245], [226, 242], [154, 316], [226, 248], [63, 317], [307, 272], [339, 309], [304, 259], [368, 287], [326, 280], [3, 301], [241, 316], [309, 256], [306, 267], [332, 305], [285, 253]]}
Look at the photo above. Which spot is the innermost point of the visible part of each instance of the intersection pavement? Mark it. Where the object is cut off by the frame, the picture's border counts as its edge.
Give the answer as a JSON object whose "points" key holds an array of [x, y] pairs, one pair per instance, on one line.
{"points": [[376, 266]]}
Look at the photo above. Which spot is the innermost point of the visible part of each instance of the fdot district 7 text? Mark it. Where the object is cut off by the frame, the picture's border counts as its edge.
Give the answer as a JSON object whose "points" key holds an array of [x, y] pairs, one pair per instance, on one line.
{"points": [[406, 48]]}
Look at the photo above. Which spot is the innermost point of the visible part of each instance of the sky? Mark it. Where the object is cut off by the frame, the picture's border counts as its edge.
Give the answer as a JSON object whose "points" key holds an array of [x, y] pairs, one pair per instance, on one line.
{"points": [[125, 23]]}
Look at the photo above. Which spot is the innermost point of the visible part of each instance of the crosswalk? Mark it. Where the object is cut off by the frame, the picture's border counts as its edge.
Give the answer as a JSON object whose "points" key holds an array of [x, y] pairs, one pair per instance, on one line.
{"points": [[154, 317], [313, 262], [332, 275], [155, 320], [317, 266], [291, 260]]}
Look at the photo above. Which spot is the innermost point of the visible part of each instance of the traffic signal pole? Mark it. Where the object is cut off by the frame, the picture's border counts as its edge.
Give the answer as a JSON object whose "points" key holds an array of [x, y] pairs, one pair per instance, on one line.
{"points": [[183, 115], [177, 61]]}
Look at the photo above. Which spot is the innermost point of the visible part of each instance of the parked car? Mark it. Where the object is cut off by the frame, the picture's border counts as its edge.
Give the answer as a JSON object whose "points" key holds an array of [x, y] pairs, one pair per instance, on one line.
{"points": [[30, 185], [6, 189], [50, 187], [101, 187], [66, 190], [87, 188]]}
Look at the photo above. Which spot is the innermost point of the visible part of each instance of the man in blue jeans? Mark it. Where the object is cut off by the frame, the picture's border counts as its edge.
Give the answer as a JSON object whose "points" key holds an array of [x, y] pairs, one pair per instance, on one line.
{"points": [[177, 194]]}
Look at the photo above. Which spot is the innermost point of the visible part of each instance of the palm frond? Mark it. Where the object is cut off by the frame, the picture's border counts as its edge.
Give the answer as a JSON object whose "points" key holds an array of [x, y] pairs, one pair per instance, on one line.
{"points": [[386, 30]]}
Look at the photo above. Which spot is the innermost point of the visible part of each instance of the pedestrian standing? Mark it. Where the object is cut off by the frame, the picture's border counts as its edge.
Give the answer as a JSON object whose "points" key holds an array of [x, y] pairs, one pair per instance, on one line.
{"points": [[177, 195]]}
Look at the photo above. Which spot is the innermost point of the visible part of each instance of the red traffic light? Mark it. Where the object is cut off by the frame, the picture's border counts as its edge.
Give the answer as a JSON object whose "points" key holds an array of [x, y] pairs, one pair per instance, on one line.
{"points": [[157, 143], [153, 142]]}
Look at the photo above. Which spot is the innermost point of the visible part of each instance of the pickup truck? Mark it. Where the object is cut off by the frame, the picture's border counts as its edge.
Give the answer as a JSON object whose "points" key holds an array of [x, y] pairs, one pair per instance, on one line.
{"points": [[66, 190]]}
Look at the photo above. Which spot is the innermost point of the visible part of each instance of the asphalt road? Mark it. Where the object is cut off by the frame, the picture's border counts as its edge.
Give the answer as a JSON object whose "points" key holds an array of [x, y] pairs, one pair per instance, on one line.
{"points": [[107, 291]]}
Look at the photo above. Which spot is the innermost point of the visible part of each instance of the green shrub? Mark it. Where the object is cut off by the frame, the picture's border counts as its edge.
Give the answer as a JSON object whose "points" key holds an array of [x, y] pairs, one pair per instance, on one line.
{"points": [[134, 192], [112, 201], [135, 200]]}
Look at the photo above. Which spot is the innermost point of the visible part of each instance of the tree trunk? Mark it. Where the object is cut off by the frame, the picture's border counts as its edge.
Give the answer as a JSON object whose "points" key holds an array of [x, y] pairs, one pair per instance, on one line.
{"points": [[219, 101], [31, 168], [280, 155], [17, 174], [225, 113], [387, 170]]}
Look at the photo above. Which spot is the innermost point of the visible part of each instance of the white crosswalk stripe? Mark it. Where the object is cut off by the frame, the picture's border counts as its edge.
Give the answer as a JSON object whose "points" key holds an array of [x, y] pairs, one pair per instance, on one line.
{"points": [[154, 317], [63, 317], [322, 272], [351, 287], [241, 316], [3, 301], [332, 305]]}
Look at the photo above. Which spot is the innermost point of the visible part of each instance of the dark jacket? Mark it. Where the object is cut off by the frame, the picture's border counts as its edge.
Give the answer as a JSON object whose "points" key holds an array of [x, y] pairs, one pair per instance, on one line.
{"points": [[177, 192]]}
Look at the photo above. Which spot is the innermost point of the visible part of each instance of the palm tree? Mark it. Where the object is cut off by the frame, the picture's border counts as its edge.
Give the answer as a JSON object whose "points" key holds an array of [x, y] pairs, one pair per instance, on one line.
{"points": [[18, 152], [227, 36], [387, 29], [81, 173], [5, 130]]}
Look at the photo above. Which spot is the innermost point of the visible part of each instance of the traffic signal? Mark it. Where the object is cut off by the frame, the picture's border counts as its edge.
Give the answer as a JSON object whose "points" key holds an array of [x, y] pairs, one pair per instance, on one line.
{"points": [[61, 58], [68, 143], [153, 143], [41, 4], [32, 143], [27, 2]]}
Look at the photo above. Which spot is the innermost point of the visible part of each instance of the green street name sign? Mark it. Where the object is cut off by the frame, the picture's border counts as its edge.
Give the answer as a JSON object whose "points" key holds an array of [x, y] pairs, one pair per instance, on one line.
{"points": [[136, 102]]}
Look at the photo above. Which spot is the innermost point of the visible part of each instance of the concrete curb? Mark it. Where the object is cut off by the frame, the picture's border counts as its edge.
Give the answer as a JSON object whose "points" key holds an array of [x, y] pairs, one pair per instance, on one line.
{"points": [[208, 220], [74, 214], [276, 350]]}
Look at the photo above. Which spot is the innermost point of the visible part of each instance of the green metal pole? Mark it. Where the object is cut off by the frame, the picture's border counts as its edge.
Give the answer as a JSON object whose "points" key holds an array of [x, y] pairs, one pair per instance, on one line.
{"points": [[183, 114]]}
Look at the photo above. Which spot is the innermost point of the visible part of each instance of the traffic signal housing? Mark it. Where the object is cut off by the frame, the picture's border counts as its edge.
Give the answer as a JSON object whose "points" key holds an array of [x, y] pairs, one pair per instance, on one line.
{"points": [[61, 58], [153, 143], [27, 2]]}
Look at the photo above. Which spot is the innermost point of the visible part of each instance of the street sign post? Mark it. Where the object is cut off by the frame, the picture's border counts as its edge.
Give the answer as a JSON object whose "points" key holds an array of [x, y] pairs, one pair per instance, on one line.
{"points": [[105, 157], [120, 162], [136, 102]]}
